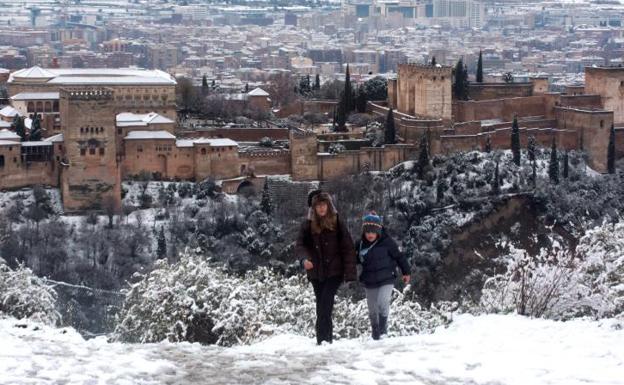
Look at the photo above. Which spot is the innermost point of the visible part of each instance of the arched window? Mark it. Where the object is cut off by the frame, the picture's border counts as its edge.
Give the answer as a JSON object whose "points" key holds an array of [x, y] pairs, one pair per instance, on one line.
{"points": [[31, 107], [203, 151], [1, 161], [39, 106], [48, 107], [55, 106]]}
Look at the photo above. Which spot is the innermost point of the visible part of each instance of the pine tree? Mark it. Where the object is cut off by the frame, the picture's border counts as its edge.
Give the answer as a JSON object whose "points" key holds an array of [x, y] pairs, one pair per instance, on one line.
{"points": [[35, 128], [531, 148], [496, 181], [566, 166], [390, 131], [317, 82], [360, 100], [433, 61], [266, 203], [611, 152], [479, 77], [161, 244], [553, 166], [515, 141], [423, 156], [488, 144]]}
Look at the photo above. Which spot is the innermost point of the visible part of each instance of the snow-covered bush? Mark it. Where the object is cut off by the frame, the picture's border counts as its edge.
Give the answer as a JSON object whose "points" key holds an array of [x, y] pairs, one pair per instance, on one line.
{"points": [[560, 286], [24, 295], [194, 300]]}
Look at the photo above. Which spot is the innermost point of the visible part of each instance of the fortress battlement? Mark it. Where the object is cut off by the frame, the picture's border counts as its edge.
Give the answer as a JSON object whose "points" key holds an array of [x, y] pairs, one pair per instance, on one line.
{"points": [[87, 94]]}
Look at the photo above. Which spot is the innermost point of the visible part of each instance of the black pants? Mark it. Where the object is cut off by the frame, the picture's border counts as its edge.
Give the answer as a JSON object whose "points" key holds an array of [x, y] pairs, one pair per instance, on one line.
{"points": [[325, 292]]}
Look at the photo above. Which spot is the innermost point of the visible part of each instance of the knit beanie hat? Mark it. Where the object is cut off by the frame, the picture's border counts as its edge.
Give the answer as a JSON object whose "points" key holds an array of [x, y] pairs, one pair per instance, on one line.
{"points": [[371, 223]]}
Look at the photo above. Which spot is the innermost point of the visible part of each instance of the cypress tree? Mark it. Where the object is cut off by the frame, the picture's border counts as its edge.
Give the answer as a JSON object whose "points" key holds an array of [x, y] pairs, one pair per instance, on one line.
{"points": [[553, 166], [341, 115], [457, 84], [534, 171], [390, 131], [19, 127], [317, 82], [531, 148], [479, 76], [496, 181], [488, 144], [246, 87], [515, 141], [423, 156], [566, 170], [204, 82], [35, 128], [348, 93], [266, 203], [360, 100], [611, 152], [433, 61], [161, 244]]}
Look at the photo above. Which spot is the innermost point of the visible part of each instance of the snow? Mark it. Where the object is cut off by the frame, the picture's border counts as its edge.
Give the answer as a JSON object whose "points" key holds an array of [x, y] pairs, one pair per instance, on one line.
{"points": [[129, 119], [9, 135], [36, 96], [149, 135], [491, 349]]}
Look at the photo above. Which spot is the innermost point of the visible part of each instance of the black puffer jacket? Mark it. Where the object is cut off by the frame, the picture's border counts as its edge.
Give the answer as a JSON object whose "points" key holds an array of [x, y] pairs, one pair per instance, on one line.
{"points": [[380, 263]]}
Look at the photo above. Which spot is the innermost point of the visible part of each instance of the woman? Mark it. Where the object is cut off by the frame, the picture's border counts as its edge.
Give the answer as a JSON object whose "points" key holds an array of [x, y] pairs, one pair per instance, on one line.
{"points": [[328, 258], [379, 256]]}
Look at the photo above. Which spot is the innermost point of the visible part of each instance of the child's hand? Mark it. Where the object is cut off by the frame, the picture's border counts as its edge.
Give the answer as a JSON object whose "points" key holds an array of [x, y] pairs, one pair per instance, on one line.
{"points": [[406, 279]]}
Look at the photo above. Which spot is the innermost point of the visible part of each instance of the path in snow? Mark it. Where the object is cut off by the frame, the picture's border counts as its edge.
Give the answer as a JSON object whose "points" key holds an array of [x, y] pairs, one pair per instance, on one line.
{"points": [[505, 350]]}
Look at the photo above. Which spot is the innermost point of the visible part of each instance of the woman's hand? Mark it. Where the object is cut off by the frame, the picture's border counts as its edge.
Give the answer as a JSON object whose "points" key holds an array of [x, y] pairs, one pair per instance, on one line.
{"points": [[406, 279], [307, 265]]}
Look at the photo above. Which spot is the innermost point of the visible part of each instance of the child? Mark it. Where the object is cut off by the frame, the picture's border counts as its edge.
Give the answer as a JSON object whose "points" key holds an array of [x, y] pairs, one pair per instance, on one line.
{"points": [[379, 256]]}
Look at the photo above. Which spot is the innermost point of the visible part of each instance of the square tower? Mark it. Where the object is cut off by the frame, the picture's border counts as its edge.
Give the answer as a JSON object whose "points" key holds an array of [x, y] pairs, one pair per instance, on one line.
{"points": [[91, 174], [425, 91]]}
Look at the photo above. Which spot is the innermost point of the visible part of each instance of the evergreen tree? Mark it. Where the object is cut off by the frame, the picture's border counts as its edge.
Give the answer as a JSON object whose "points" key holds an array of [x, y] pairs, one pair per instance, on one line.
{"points": [[566, 170], [204, 87], [531, 147], [213, 84], [496, 181], [423, 156], [390, 131], [460, 86], [360, 100], [488, 144], [317, 82], [35, 128], [433, 61], [534, 172], [479, 77], [341, 115], [611, 152], [246, 87], [161, 244], [553, 166], [515, 141], [266, 203], [348, 93], [19, 127], [439, 190], [334, 120]]}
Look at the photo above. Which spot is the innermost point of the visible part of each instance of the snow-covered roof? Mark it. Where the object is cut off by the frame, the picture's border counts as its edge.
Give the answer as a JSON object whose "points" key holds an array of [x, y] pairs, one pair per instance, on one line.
{"points": [[36, 96], [128, 119], [4, 124], [9, 112], [184, 143], [55, 138], [218, 142], [258, 92], [8, 143], [9, 135], [161, 134], [98, 76], [36, 143]]}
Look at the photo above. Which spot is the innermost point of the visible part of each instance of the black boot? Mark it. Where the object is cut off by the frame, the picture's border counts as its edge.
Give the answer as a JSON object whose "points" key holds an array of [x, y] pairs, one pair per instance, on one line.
{"points": [[383, 325], [376, 334]]}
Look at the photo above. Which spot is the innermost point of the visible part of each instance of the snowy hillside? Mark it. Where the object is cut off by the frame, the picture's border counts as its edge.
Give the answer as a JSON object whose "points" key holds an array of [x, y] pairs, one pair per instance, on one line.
{"points": [[492, 349]]}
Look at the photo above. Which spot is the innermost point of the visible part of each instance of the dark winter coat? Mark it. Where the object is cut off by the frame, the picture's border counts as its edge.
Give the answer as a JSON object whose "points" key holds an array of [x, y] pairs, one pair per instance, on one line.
{"points": [[380, 264], [331, 252]]}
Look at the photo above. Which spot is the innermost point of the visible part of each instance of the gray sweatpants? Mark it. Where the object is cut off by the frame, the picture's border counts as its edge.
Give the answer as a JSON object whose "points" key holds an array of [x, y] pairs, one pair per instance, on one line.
{"points": [[379, 301]]}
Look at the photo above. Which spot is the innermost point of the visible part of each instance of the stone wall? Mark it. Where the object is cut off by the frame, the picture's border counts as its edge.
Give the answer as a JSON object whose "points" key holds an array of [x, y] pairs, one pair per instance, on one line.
{"points": [[488, 91], [265, 163], [303, 152], [246, 134], [424, 91], [17, 175], [504, 109], [366, 159], [609, 83]]}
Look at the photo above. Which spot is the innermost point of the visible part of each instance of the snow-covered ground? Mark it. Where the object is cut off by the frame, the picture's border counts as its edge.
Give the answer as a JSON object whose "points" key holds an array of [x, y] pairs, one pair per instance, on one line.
{"points": [[492, 349]]}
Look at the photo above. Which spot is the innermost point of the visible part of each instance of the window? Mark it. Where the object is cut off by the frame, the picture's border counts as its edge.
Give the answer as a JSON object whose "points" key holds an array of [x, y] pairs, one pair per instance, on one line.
{"points": [[139, 148], [39, 106], [602, 124], [203, 151], [31, 107], [101, 151], [119, 131], [92, 151], [55, 106], [48, 107], [1, 161], [10, 148], [83, 151]]}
